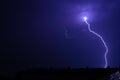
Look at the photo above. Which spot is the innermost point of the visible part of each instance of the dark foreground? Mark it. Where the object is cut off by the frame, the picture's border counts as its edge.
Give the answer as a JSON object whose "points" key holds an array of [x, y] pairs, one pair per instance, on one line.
{"points": [[67, 74]]}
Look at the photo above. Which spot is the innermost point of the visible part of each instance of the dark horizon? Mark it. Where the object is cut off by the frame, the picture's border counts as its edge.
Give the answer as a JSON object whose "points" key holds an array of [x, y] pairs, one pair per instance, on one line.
{"points": [[65, 73]]}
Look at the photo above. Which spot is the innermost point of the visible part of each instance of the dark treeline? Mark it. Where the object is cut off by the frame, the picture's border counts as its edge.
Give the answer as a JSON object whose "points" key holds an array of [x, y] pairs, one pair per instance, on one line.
{"points": [[66, 74]]}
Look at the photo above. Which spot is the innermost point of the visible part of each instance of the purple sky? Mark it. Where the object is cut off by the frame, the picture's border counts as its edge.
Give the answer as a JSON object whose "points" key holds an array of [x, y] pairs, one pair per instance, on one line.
{"points": [[51, 33]]}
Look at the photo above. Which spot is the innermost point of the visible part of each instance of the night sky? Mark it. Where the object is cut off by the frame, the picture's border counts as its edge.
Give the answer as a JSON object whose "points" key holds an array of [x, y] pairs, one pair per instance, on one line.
{"points": [[51, 33]]}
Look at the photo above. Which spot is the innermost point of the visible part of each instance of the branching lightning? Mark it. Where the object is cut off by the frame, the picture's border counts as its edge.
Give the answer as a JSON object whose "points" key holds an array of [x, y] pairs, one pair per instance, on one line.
{"points": [[66, 33], [106, 48]]}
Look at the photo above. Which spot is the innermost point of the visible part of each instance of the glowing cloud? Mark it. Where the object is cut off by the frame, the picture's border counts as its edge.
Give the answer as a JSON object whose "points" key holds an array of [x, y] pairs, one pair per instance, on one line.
{"points": [[85, 18]]}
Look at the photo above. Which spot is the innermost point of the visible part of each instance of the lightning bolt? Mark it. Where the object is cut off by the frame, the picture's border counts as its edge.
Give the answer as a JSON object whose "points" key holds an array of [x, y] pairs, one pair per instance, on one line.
{"points": [[104, 43]]}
